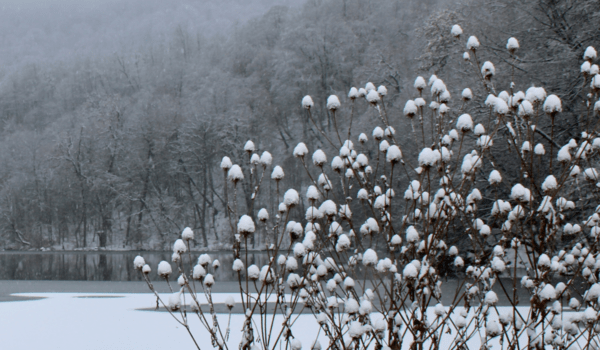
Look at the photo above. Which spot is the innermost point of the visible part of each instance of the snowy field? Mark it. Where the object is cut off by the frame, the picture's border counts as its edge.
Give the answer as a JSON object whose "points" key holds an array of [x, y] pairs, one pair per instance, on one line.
{"points": [[114, 321]]}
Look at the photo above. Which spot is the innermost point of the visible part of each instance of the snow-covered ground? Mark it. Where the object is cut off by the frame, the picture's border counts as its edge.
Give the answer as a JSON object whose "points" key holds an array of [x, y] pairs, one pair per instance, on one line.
{"points": [[89, 321], [114, 321]]}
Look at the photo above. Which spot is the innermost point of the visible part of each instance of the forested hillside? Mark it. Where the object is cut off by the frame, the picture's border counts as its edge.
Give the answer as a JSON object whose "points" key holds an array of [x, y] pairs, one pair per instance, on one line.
{"points": [[114, 126]]}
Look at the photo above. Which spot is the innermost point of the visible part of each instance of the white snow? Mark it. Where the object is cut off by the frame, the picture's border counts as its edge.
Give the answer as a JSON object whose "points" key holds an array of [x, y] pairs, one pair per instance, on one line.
{"points": [[362, 138], [263, 214], [249, 146], [456, 30], [438, 87], [494, 177], [428, 157], [464, 123], [589, 54], [373, 96], [179, 247], [199, 272], [164, 269], [420, 83], [226, 163], [394, 154], [328, 208], [333, 102], [139, 262], [300, 150], [382, 90], [353, 93], [549, 183], [246, 225], [307, 102], [291, 197], [472, 43], [585, 67], [369, 86], [277, 173], [319, 157], [410, 109], [466, 56], [238, 265], [266, 159], [488, 70], [539, 149], [377, 133], [512, 44], [552, 104], [235, 174], [369, 257], [187, 234]]}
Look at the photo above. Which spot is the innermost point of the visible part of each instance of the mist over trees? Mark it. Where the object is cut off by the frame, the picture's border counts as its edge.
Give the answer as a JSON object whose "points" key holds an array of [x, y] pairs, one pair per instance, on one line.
{"points": [[113, 128]]}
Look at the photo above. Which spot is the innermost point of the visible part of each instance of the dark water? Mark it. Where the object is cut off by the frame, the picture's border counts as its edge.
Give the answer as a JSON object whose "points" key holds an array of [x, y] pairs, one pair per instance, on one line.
{"points": [[103, 266]]}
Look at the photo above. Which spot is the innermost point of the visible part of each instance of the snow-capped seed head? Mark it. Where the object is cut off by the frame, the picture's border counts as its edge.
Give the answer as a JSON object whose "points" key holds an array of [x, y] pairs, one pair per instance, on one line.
{"points": [[369, 257], [410, 109], [362, 92], [549, 184], [245, 225], [179, 247], [146, 269], [466, 56], [494, 177], [586, 67], [199, 272], [384, 146], [589, 54], [353, 93], [382, 90], [263, 215], [420, 83], [230, 302], [378, 133], [187, 234], [226, 163], [307, 102], [300, 150], [373, 97], [512, 45], [277, 173], [394, 155], [369, 86], [456, 31], [438, 87], [235, 174], [333, 103], [479, 129], [319, 157], [266, 159], [548, 292], [467, 94], [464, 123], [164, 269], [362, 138], [139, 262], [539, 149], [488, 70], [552, 105], [472, 43], [249, 146], [491, 298], [291, 198], [237, 266]]}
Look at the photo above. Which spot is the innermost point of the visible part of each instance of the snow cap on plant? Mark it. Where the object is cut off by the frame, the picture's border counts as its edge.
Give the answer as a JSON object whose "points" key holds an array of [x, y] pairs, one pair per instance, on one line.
{"points": [[589, 54], [263, 215], [291, 198], [552, 105], [512, 45], [420, 83], [226, 163], [456, 31], [235, 174], [245, 225], [438, 87], [333, 102], [353, 93], [382, 90], [139, 262], [249, 146], [410, 109], [394, 155], [266, 159], [187, 234], [277, 173], [472, 43], [464, 123], [179, 247], [467, 94], [164, 269], [488, 70], [300, 150], [378, 133], [373, 97], [307, 102]]}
